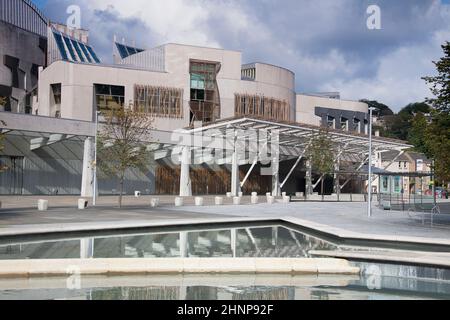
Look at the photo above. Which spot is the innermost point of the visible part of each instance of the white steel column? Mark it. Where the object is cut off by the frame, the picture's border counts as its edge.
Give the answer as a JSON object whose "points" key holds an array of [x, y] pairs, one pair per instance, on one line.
{"points": [[276, 190], [235, 183], [87, 179], [185, 179], [183, 244], [86, 248]]}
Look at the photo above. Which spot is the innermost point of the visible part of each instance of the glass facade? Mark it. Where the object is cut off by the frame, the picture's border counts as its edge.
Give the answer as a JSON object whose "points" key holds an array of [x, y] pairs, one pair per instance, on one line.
{"points": [[108, 97], [205, 98]]}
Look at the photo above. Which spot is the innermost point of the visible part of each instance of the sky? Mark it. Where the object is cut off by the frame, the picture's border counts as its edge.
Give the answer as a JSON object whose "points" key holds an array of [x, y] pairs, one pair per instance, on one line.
{"points": [[325, 42]]}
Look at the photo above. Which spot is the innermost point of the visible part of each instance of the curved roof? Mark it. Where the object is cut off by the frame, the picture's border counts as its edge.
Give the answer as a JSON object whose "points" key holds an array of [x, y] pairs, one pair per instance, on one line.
{"points": [[25, 15]]}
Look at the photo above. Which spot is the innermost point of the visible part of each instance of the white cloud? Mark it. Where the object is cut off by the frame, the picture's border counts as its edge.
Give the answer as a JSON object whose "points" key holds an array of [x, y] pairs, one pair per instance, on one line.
{"points": [[398, 79]]}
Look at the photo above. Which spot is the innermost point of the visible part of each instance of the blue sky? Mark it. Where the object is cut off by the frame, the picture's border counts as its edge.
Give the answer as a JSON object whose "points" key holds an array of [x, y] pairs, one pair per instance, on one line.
{"points": [[325, 42]]}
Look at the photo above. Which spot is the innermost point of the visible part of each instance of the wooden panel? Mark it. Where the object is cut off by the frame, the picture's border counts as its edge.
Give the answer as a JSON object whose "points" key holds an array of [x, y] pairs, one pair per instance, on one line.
{"points": [[207, 181], [262, 107]]}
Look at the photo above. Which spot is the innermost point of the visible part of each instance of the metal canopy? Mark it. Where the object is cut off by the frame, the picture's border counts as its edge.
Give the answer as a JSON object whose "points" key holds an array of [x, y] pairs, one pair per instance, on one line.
{"points": [[294, 137]]}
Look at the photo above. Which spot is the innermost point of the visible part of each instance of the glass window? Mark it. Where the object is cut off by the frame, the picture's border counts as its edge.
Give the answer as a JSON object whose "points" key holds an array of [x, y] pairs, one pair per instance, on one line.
{"points": [[60, 44], [108, 97], [330, 122], [344, 124], [78, 50], [86, 53], [70, 48]]}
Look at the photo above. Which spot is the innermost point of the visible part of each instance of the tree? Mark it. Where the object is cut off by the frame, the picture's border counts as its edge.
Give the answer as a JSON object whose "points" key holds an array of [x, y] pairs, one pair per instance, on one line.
{"points": [[437, 133], [121, 143], [417, 134], [2, 137], [382, 109], [321, 155], [440, 84]]}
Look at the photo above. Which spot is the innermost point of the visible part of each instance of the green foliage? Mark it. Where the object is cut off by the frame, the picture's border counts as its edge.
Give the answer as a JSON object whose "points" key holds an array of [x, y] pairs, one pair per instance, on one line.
{"points": [[2, 101], [121, 144], [321, 154], [438, 143], [382, 109], [2, 137], [417, 134], [437, 133], [440, 84]]}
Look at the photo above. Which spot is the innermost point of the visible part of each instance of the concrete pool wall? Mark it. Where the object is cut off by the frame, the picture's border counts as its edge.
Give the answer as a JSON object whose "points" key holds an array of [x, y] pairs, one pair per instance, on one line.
{"points": [[61, 267]]}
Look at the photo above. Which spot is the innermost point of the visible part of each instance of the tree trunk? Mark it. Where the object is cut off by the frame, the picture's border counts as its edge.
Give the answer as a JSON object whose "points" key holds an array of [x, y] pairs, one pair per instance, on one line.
{"points": [[321, 186], [121, 190]]}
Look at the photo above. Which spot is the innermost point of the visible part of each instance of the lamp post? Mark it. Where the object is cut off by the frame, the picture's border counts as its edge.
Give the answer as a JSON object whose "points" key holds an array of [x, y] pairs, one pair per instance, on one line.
{"points": [[94, 198], [369, 187]]}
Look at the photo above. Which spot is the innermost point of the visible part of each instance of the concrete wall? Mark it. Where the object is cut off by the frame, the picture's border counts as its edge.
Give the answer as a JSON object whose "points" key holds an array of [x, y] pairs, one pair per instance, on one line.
{"points": [[78, 79], [21, 74], [306, 107]]}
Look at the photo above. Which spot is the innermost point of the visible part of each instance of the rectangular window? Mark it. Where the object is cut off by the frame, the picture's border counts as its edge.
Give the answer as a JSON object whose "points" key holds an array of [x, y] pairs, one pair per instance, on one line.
{"points": [[344, 124], [330, 122], [159, 101], [108, 97]]}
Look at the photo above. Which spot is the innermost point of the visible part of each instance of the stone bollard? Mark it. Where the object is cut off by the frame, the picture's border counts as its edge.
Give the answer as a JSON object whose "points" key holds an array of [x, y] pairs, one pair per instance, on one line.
{"points": [[284, 194], [154, 202], [286, 199], [268, 194], [237, 201], [254, 194], [179, 202], [42, 205], [219, 201], [82, 204], [240, 194], [254, 200], [199, 201], [270, 200], [137, 194], [299, 194], [229, 195]]}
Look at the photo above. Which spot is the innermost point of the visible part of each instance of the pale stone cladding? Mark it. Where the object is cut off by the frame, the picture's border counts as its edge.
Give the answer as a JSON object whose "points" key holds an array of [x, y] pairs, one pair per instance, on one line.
{"points": [[310, 109], [77, 82]]}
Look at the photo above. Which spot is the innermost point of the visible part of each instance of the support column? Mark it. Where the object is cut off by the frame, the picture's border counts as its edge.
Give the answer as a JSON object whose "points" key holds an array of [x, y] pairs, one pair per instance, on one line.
{"points": [[87, 179], [309, 185], [185, 179], [86, 248], [276, 190], [233, 242], [183, 245], [235, 183]]}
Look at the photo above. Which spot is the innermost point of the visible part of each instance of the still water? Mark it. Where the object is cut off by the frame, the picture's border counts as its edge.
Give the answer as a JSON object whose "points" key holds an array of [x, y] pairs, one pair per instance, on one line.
{"points": [[376, 281], [261, 241]]}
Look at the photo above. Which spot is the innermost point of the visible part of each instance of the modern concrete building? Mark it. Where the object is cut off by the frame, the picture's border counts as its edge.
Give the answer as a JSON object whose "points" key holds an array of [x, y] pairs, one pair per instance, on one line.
{"points": [[179, 86], [23, 48]]}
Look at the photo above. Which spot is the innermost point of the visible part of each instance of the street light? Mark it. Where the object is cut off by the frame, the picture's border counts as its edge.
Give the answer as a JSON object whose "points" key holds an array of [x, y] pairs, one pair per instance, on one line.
{"points": [[369, 187], [94, 198]]}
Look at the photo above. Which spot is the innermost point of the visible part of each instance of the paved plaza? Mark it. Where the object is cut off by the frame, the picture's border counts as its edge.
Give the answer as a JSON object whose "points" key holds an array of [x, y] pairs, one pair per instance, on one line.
{"points": [[347, 220]]}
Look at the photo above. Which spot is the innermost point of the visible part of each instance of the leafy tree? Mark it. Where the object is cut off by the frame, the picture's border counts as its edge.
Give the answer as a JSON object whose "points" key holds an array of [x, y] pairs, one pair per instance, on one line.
{"points": [[417, 134], [440, 84], [2, 101], [321, 155], [120, 143], [437, 133], [2, 138], [382, 109]]}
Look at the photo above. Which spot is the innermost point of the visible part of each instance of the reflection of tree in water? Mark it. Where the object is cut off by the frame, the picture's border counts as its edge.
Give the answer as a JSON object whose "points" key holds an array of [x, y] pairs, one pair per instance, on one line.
{"points": [[265, 293], [131, 293], [319, 295], [201, 293]]}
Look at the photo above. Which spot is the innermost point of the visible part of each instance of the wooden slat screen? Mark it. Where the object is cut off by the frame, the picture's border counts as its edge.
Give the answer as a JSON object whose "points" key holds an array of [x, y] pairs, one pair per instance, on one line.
{"points": [[262, 107]]}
